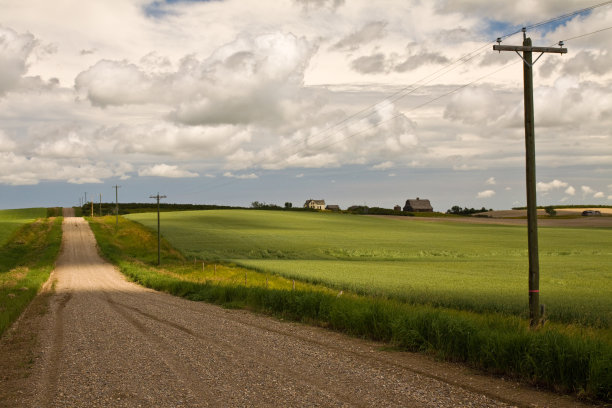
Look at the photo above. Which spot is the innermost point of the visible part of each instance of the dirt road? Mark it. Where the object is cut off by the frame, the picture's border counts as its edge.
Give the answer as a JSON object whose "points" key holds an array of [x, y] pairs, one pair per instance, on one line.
{"points": [[100, 341]]}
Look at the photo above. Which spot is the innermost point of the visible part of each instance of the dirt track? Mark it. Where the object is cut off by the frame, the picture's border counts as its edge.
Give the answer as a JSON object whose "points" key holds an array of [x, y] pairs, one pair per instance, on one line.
{"points": [[100, 341]]}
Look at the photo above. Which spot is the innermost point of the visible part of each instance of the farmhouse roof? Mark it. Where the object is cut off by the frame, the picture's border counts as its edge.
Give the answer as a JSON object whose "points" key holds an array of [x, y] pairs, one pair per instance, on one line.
{"points": [[418, 205], [318, 202], [332, 207]]}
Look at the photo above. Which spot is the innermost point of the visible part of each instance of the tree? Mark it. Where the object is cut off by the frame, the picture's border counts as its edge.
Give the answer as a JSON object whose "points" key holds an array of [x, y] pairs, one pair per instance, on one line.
{"points": [[550, 210], [288, 205]]}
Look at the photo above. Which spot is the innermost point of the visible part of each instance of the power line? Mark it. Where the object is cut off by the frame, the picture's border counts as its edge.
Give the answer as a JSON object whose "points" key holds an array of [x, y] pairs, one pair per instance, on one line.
{"points": [[428, 79], [559, 18], [422, 82], [584, 35]]}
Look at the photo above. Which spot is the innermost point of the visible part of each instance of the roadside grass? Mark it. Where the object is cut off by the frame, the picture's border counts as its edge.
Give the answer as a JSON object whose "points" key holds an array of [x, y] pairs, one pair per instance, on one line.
{"points": [[481, 268], [11, 220], [564, 358], [26, 260]]}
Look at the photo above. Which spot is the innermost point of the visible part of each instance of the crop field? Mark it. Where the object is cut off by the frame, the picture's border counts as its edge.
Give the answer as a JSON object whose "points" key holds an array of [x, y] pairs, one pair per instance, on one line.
{"points": [[10, 220], [480, 268]]}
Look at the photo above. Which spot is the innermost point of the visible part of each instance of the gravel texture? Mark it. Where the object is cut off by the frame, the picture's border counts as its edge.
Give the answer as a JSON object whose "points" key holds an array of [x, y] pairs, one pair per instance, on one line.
{"points": [[106, 342]]}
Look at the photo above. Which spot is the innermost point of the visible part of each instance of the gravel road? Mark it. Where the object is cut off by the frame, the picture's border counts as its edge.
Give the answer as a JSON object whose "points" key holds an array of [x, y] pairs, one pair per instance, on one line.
{"points": [[100, 341]]}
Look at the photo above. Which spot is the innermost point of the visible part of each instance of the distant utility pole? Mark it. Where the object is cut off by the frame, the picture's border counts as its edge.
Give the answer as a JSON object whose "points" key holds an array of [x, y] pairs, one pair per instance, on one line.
{"points": [[100, 204], [158, 234], [85, 199], [116, 187], [532, 212], [91, 208]]}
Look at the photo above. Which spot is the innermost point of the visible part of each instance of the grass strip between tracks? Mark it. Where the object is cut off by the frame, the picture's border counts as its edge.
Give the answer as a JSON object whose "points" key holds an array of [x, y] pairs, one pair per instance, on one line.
{"points": [[559, 357], [26, 260]]}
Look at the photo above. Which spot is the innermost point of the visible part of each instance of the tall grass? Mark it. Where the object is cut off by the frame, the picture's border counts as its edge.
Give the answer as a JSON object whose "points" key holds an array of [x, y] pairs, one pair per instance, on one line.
{"points": [[568, 359], [26, 260]]}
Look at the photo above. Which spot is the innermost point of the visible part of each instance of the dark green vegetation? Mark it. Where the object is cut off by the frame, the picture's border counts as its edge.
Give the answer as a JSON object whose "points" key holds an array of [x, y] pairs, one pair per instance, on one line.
{"points": [[481, 268], [564, 358], [27, 258], [130, 208]]}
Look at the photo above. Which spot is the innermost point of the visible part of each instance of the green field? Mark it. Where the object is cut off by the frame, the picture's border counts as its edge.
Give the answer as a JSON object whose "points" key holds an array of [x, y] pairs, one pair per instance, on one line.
{"points": [[10, 220], [481, 268]]}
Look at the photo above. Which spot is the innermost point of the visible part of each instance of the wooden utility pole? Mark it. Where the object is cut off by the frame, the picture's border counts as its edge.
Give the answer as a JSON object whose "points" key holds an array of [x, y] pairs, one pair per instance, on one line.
{"points": [[91, 208], [530, 164], [100, 204], [116, 187], [158, 233]]}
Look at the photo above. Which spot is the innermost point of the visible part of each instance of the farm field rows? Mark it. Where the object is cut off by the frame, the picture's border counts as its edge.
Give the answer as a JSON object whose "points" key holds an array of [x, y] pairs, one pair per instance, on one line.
{"points": [[462, 266], [10, 220]]}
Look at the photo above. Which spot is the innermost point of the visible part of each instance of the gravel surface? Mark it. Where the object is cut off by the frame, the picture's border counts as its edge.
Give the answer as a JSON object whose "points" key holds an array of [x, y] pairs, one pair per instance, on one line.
{"points": [[106, 342]]}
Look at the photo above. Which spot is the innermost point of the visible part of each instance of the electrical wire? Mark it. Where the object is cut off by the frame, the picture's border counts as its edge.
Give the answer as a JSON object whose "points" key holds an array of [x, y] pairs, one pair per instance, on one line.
{"points": [[424, 81]]}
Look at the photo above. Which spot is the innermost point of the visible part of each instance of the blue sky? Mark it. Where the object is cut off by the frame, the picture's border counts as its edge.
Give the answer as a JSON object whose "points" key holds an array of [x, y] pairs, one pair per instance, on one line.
{"points": [[229, 102]]}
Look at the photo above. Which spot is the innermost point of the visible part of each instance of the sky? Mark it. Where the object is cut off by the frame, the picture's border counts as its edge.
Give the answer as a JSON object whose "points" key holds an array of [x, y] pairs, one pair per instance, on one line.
{"points": [[356, 102]]}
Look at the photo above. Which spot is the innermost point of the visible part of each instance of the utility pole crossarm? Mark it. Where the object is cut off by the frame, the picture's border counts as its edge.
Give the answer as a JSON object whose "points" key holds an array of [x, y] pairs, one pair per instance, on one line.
{"points": [[523, 48]]}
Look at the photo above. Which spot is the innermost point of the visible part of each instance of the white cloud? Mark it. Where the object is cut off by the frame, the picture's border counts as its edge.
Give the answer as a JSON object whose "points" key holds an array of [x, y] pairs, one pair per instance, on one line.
{"points": [[610, 197], [392, 175], [553, 185], [586, 190], [6, 143], [15, 49], [383, 166], [570, 191], [491, 181], [485, 194], [599, 194], [240, 176], [164, 170]]}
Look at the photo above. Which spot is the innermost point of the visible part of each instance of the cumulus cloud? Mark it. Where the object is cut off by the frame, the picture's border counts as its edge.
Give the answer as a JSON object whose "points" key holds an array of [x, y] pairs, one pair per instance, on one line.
{"points": [[116, 83], [15, 50], [250, 80], [474, 105], [586, 190], [383, 166], [371, 64], [425, 57], [21, 170], [485, 194], [491, 181], [164, 170], [599, 194], [6, 143], [570, 191], [553, 185], [369, 32], [240, 176]]}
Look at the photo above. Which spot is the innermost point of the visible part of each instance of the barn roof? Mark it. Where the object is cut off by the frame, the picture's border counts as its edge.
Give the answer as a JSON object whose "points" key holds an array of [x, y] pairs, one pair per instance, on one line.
{"points": [[419, 204]]}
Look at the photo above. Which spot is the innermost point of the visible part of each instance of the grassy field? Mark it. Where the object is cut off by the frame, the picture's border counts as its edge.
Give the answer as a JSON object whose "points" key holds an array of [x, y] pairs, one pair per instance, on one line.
{"points": [[561, 357], [480, 268], [27, 258], [10, 220]]}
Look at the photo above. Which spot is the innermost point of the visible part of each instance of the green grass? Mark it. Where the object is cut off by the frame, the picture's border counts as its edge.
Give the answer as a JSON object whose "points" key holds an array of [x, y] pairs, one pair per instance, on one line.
{"points": [[11, 220], [562, 358], [26, 260], [480, 268]]}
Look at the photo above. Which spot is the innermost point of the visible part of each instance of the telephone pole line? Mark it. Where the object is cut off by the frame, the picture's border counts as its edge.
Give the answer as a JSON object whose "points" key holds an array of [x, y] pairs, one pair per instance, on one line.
{"points": [[116, 187], [530, 164], [158, 233]]}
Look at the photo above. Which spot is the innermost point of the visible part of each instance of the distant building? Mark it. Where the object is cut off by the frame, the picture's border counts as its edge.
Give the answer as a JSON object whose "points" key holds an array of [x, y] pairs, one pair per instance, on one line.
{"points": [[315, 204], [333, 207], [397, 208], [418, 205]]}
